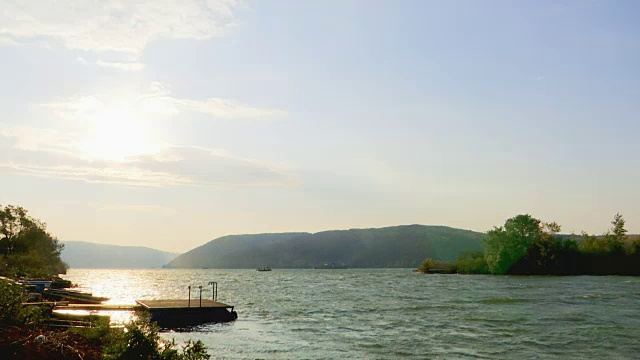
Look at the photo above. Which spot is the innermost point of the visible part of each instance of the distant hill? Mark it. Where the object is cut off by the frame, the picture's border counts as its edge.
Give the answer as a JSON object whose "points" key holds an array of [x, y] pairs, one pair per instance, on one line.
{"points": [[80, 254], [398, 246]]}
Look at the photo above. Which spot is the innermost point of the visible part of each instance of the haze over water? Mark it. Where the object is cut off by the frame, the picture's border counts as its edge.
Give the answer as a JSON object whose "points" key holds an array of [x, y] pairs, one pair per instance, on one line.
{"points": [[392, 313]]}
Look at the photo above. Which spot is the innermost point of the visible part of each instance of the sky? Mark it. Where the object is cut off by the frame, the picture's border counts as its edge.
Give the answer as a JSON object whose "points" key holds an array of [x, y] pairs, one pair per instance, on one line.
{"points": [[170, 123]]}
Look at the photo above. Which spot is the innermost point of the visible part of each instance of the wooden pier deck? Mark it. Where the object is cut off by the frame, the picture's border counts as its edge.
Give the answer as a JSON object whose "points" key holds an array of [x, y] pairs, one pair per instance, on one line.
{"points": [[181, 313], [181, 304], [169, 314]]}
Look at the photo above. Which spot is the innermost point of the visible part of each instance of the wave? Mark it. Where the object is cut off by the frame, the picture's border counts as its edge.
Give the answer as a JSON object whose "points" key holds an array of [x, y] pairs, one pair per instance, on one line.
{"points": [[495, 300]]}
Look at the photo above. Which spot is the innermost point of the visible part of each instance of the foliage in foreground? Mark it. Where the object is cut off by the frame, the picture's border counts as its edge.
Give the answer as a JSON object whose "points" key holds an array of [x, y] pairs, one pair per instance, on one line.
{"points": [[22, 338], [140, 340], [12, 312]]}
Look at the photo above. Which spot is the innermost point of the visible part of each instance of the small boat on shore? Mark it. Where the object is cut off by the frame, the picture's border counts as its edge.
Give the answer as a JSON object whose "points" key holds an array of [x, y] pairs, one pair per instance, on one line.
{"points": [[268, 268]]}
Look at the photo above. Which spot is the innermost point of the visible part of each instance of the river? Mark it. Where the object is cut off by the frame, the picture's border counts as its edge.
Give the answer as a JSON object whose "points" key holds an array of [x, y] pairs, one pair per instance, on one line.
{"points": [[394, 313]]}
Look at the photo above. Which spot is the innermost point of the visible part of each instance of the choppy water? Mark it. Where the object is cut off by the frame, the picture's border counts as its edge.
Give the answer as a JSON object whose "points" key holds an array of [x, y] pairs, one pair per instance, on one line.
{"points": [[391, 313]]}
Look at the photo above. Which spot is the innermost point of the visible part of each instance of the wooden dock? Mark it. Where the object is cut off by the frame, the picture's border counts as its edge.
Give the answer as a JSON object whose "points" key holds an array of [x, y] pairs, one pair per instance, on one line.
{"points": [[181, 304], [180, 313], [169, 314]]}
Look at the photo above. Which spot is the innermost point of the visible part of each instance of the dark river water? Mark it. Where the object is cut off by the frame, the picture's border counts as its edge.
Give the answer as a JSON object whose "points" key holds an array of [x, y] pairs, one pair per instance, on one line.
{"points": [[394, 313]]}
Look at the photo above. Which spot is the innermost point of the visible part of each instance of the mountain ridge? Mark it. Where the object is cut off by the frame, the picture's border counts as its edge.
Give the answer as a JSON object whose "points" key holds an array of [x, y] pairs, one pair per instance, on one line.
{"points": [[83, 254], [392, 246]]}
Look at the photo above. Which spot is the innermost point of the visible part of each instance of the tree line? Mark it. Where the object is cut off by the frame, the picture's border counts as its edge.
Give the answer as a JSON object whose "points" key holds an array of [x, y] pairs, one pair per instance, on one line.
{"points": [[525, 245]]}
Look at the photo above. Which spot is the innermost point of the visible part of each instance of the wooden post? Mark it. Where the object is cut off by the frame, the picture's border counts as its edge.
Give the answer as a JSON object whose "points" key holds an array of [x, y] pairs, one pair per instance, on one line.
{"points": [[200, 287], [189, 301]]}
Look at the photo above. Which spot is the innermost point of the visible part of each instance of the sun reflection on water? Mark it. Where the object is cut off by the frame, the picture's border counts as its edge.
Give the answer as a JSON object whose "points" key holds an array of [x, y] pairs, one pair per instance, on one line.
{"points": [[122, 287]]}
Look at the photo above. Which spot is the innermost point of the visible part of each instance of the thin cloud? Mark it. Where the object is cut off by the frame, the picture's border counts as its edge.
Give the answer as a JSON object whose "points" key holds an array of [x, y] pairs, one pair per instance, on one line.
{"points": [[74, 106], [115, 26], [7, 41], [207, 166], [225, 108], [158, 100], [126, 66], [140, 209], [34, 139], [172, 166]]}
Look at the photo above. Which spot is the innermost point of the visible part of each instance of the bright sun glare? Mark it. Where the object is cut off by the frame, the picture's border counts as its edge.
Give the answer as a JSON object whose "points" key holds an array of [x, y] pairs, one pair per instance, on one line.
{"points": [[118, 134]]}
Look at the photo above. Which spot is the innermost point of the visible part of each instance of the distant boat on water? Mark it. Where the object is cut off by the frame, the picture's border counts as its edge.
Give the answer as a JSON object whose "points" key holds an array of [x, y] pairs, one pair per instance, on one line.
{"points": [[331, 266], [268, 268]]}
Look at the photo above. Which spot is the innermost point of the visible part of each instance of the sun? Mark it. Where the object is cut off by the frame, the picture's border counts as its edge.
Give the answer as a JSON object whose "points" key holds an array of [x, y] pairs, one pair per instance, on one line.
{"points": [[118, 135]]}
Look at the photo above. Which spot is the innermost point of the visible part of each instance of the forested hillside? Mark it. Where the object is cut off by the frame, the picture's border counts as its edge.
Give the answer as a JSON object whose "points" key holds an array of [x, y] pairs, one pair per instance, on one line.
{"points": [[398, 246]]}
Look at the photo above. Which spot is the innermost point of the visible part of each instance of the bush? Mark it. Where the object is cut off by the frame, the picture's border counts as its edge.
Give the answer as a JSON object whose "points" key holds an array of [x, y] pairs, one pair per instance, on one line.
{"points": [[472, 263], [12, 312], [430, 264], [140, 340]]}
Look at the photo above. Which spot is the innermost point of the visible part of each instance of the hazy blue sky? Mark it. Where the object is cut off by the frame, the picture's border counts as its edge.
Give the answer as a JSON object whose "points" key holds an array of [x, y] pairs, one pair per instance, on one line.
{"points": [[170, 123]]}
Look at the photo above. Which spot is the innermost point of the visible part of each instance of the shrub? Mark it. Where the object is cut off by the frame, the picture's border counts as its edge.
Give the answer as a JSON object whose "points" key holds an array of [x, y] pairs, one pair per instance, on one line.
{"points": [[472, 263], [140, 340], [12, 312]]}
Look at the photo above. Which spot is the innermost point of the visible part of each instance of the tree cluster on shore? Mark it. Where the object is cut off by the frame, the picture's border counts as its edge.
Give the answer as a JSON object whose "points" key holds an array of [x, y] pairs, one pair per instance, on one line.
{"points": [[525, 245], [27, 250]]}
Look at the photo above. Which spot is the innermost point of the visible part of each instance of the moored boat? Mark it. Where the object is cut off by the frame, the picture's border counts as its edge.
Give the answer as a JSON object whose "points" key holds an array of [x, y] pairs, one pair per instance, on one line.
{"points": [[73, 296]]}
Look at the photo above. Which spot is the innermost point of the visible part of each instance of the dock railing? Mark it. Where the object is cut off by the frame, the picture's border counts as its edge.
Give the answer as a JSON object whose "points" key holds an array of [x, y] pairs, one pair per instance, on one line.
{"points": [[214, 290], [214, 293]]}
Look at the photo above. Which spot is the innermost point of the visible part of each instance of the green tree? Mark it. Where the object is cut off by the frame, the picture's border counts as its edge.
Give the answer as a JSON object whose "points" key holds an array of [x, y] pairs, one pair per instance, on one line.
{"points": [[613, 241], [589, 243], [616, 237], [618, 230], [507, 244], [26, 248]]}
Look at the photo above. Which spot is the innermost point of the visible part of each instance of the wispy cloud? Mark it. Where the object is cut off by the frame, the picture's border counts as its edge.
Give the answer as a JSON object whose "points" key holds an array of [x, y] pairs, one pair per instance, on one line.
{"points": [[29, 152], [7, 41], [126, 66], [158, 100], [33, 139], [118, 65], [115, 26], [120, 30], [140, 209], [215, 107]]}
